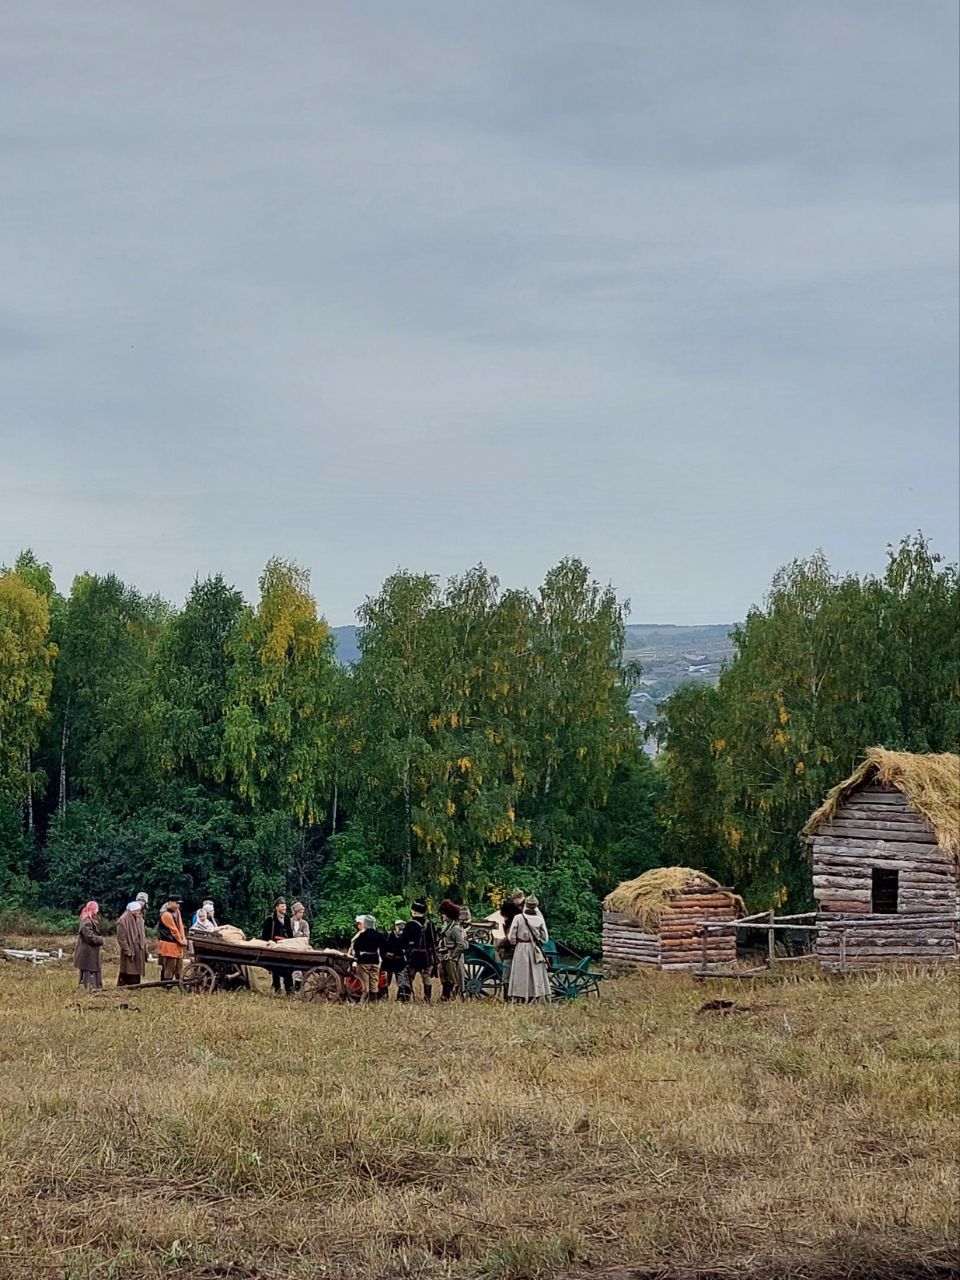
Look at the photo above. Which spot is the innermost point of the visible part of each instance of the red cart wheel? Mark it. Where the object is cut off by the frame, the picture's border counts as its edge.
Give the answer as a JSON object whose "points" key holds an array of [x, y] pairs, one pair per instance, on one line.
{"points": [[321, 984]]}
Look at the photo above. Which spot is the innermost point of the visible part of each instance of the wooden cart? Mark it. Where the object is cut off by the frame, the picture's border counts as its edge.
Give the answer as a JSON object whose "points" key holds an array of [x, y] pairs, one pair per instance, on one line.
{"points": [[218, 965]]}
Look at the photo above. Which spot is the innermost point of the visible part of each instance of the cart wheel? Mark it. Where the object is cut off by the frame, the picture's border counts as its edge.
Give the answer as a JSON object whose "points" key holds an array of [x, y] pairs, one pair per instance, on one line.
{"points": [[482, 980], [352, 988], [567, 984], [322, 984], [198, 979]]}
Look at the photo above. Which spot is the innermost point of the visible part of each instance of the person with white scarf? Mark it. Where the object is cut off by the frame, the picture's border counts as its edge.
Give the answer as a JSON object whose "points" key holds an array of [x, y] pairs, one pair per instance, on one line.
{"points": [[132, 941], [529, 978]]}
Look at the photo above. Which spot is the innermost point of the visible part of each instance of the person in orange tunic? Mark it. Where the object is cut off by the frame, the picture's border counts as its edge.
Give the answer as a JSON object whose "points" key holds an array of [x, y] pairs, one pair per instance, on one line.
{"points": [[171, 941]]}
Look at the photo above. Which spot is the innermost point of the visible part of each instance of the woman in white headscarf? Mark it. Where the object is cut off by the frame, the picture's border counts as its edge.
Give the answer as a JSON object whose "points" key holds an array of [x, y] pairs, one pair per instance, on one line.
{"points": [[132, 940], [529, 978]]}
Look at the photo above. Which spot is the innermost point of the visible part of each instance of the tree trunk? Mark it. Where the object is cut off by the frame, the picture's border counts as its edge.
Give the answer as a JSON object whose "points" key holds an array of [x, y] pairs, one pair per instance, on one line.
{"points": [[29, 793], [333, 810], [64, 739], [407, 852]]}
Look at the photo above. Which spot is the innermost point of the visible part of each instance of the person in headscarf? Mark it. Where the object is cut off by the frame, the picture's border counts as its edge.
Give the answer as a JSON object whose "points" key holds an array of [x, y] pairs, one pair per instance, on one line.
{"points": [[365, 948], [144, 900], [209, 914], [86, 953], [171, 941], [276, 927], [451, 947], [503, 946], [392, 958], [529, 979], [202, 922], [132, 940]]}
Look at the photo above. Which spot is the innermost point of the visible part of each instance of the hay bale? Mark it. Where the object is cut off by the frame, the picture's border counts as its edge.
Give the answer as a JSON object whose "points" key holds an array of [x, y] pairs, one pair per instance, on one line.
{"points": [[647, 897]]}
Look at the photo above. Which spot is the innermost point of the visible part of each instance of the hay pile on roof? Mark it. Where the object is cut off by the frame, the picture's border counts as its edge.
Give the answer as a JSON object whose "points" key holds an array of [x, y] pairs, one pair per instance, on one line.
{"points": [[930, 784], [648, 896]]}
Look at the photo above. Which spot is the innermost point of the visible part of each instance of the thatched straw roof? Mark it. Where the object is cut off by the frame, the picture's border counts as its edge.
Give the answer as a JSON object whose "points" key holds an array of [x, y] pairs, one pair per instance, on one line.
{"points": [[931, 785], [648, 896]]}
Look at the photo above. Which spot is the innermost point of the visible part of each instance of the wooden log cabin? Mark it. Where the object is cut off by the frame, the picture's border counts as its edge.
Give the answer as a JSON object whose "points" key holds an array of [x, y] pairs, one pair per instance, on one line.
{"points": [[656, 921], [885, 849]]}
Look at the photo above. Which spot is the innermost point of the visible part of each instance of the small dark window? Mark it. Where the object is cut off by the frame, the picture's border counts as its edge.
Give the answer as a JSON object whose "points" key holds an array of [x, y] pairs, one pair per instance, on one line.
{"points": [[885, 886]]}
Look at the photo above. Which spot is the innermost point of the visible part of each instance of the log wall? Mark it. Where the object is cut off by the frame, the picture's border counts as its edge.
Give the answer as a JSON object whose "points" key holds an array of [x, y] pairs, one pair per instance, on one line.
{"points": [[626, 945], [875, 827], [678, 942]]}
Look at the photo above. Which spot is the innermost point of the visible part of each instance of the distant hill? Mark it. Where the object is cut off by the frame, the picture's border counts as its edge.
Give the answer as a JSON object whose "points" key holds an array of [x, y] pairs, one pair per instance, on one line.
{"points": [[346, 638]]}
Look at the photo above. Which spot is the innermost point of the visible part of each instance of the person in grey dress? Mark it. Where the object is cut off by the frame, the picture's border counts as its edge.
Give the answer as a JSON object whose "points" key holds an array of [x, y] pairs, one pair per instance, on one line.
{"points": [[529, 978]]}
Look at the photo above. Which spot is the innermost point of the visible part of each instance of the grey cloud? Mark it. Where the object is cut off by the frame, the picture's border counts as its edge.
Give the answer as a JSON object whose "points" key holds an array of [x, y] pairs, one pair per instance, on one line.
{"points": [[430, 284]]}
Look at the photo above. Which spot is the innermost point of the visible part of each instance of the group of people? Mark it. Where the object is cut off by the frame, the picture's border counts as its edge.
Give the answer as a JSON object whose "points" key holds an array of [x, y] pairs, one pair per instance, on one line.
{"points": [[414, 952], [171, 947]]}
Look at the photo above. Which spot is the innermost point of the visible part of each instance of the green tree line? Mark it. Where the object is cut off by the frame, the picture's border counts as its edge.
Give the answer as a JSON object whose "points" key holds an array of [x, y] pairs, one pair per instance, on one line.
{"points": [[830, 664], [482, 738]]}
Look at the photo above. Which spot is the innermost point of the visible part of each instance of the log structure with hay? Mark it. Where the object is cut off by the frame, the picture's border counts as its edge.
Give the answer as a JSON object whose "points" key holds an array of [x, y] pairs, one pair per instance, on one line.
{"points": [[885, 849], [657, 920]]}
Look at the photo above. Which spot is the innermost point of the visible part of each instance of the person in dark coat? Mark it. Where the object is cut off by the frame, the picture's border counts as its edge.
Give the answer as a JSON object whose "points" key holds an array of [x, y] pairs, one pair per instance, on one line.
{"points": [[277, 926], [420, 953], [132, 941], [503, 946], [365, 947], [86, 953], [392, 960]]}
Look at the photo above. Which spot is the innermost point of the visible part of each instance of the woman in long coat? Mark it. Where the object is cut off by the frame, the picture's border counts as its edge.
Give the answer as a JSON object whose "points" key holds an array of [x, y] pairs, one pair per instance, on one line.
{"points": [[529, 979], [86, 954], [132, 940]]}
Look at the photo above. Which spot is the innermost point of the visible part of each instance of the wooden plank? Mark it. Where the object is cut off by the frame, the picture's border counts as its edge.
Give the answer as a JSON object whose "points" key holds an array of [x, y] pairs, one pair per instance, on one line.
{"points": [[879, 813], [896, 862], [854, 893], [878, 795], [880, 831], [935, 879], [853, 952], [853, 884], [881, 848], [830, 904]]}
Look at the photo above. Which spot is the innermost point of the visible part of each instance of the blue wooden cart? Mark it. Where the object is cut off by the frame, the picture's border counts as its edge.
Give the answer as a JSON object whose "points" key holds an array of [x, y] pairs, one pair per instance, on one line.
{"points": [[571, 975]]}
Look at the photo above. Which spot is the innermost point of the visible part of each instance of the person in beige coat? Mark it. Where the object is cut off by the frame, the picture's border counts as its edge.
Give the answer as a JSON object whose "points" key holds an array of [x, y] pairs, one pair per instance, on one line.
{"points": [[529, 977], [132, 941]]}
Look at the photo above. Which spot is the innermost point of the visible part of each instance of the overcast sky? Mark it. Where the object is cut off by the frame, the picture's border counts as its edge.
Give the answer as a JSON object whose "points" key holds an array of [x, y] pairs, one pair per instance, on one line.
{"points": [[668, 286]]}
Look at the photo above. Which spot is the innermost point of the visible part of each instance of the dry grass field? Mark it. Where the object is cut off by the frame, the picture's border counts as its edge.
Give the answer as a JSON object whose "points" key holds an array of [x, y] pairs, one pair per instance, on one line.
{"points": [[812, 1134]]}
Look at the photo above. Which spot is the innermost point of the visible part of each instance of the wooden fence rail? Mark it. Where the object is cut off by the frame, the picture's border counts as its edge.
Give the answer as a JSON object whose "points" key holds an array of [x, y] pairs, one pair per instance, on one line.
{"points": [[771, 923]]}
